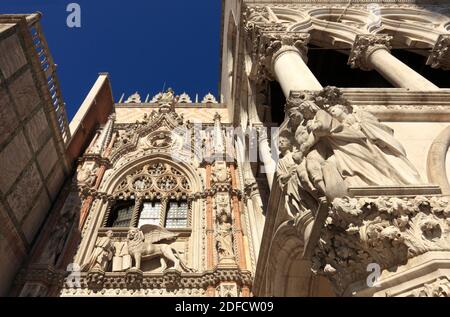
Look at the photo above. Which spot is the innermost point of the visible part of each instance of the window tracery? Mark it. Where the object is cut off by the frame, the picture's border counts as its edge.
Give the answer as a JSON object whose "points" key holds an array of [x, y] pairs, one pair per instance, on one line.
{"points": [[157, 193]]}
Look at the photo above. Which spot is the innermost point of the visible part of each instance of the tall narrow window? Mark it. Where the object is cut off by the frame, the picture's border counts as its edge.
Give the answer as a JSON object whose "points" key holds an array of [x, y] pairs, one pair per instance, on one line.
{"points": [[122, 214], [177, 214], [150, 213]]}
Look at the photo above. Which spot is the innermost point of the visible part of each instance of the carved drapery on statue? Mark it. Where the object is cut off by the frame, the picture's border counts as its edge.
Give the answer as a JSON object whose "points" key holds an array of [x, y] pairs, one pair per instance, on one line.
{"points": [[328, 147], [58, 235], [102, 254], [224, 236]]}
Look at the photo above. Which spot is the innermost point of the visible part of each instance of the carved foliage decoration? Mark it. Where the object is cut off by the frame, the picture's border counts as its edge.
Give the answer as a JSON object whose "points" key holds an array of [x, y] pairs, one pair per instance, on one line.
{"points": [[267, 41], [440, 55], [438, 288], [384, 230], [364, 45]]}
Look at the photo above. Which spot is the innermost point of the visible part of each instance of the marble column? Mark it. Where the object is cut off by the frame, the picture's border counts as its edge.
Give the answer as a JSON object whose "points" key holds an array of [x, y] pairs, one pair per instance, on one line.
{"points": [[372, 52], [284, 56], [265, 154]]}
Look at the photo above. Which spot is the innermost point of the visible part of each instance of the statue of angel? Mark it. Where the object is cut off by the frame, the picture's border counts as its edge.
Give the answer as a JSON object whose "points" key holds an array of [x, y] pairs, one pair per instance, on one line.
{"points": [[143, 244]]}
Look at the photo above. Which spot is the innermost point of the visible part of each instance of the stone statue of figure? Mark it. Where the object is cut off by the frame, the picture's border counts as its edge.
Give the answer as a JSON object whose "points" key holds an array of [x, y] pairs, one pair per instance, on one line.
{"points": [[59, 233], [168, 96], [101, 255], [224, 236], [86, 176], [161, 140], [352, 148], [293, 178]]}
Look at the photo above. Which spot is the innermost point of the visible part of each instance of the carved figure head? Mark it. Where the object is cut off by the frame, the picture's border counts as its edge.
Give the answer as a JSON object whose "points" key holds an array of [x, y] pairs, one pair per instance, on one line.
{"points": [[295, 115], [134, 234], [285, 142], [223, 217], [339, 111], [301, 134]]}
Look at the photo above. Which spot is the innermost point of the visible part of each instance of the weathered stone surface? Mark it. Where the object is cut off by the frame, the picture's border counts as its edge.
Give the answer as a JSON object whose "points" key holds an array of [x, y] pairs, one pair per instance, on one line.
{"points": [[9, 260], [12, 160], [24, 93], [55, 181], [47, 158], [12, 57], [22, 196], [37, 130], [35, 218], [8, 119], [5, 26]]}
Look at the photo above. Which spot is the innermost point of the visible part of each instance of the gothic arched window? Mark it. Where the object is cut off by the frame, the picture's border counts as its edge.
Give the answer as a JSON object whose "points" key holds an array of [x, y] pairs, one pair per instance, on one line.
{"points": [[121, 214], [157, 193]]}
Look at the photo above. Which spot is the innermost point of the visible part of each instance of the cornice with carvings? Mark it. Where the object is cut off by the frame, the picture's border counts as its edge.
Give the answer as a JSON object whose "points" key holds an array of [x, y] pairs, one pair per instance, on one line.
{"points": [[99, 282]]}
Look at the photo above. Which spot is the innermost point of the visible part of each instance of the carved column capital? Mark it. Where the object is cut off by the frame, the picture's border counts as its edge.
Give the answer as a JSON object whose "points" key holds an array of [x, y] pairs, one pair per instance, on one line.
{"points": [[364, 46], [386, 231], [440, 55], [270, 41]]}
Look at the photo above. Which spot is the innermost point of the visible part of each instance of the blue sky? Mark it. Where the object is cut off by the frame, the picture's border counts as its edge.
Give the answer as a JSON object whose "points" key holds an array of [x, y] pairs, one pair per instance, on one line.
{"points": [[141, 44]]}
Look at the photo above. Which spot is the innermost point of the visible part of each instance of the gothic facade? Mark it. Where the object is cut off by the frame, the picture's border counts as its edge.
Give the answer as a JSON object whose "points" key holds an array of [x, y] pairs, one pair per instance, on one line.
{"points": [[320, 170]]}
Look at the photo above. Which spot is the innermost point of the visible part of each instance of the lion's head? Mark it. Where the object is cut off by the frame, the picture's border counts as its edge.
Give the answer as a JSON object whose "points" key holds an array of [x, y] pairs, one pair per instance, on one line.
{"points": [[135, 238]]}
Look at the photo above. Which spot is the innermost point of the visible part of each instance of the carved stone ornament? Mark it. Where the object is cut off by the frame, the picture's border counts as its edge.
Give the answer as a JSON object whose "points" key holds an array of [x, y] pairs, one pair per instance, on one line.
{"points": [[159, 127], [327, 146], [267, 41], [95, 278], [440, 55], [60, 231], [160, 139], [364, 46], [227, 290], [169, 282], [438, 288], [86, 177], [146, 243], [220, 174], [154, 180], [134, 98], [385, 230], [102, 254]]}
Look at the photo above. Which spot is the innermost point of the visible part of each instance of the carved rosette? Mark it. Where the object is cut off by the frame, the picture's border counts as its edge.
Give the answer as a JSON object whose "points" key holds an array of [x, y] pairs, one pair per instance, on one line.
{"points": [[440, 55], [364, 46], [386, 231]]}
